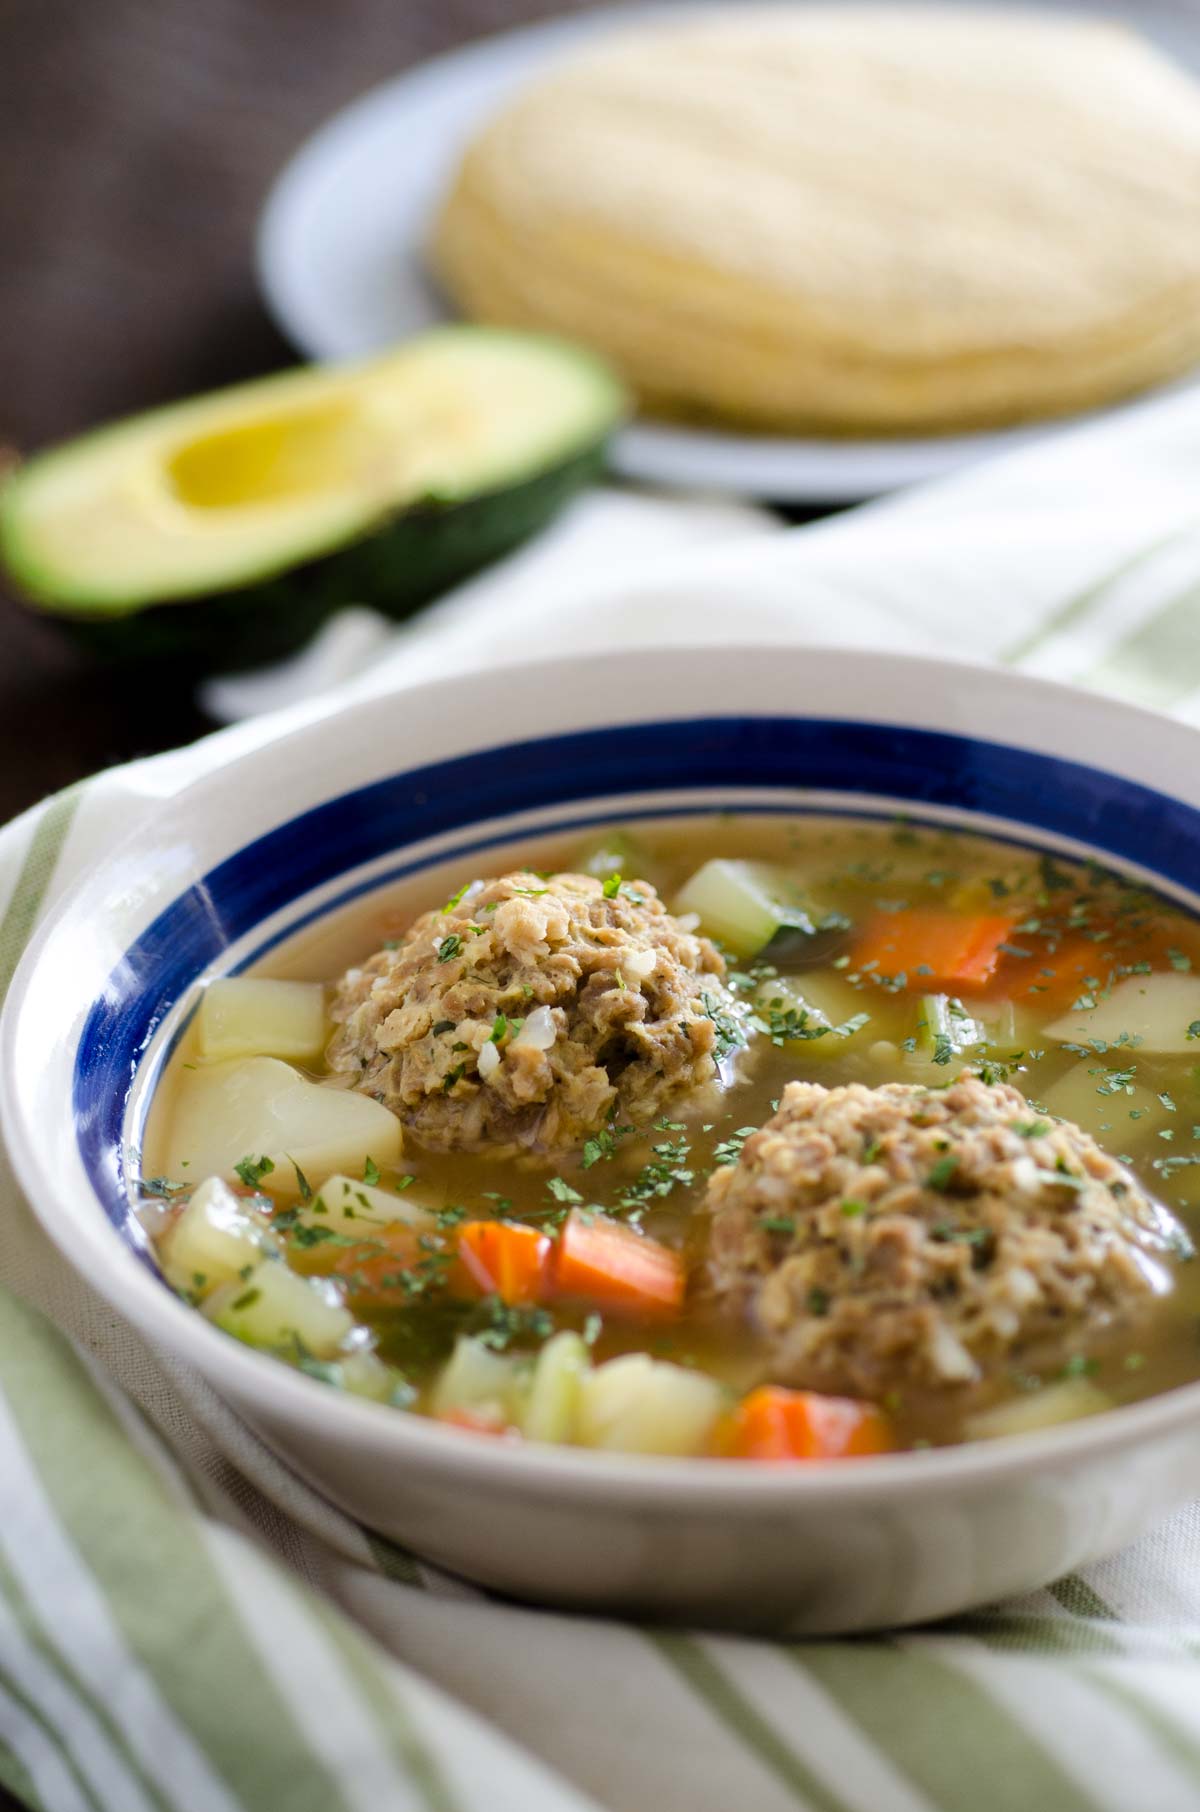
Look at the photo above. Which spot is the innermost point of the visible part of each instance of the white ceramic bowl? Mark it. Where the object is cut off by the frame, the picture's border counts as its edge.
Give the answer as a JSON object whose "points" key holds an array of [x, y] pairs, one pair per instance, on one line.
{"points": [[389, 786]]}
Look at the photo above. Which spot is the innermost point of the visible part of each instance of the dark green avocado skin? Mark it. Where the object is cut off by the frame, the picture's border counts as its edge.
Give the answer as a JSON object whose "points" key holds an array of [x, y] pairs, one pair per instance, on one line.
{"points": [[408, 560]]}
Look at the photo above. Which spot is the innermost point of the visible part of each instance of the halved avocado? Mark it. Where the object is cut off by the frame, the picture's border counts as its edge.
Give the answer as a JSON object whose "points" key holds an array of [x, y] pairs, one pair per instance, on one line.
{"points": [[224, 529]]}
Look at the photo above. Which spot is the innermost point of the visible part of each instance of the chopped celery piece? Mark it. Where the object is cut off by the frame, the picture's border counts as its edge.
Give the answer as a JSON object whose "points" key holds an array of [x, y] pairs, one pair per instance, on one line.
{"points": [[742, 904], [215, 1238], [484, 1382], [1157, 1014], [552, 1409], [364, 1374], [273, 1307], [347, 1206], [1053, 1404], [617, 853], [817, 1014], [636, 1404], [259, 1107], [247, 1016]]}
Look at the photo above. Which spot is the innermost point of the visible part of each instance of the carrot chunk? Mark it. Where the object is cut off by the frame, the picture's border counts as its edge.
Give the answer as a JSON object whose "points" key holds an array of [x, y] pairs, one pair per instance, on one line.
{"points": [[506, 1260], [933, 948], [617, 1269], [777, 1424]]}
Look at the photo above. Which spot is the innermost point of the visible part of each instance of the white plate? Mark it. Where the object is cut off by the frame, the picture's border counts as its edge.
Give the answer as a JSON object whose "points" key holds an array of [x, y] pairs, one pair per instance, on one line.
{"points": [[339, 261]]}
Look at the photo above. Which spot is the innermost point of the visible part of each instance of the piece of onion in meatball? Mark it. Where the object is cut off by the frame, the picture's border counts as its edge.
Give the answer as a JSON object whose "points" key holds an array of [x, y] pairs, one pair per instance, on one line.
{"points": [[881, 1240], [532, 1009]]}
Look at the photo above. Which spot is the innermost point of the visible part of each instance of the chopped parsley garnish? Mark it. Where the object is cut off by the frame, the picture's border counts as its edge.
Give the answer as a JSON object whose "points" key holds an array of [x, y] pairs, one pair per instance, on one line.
{"points": [[506, 1325], [370, 1173], [246, 1300], [730, 1036], [818, 1301], [449, 947], [453, 1076], [160, 1187], [603, 1145], [943, 1047], [562, 1190], [730, 1150], [1178, 960], [852, 1206], [452, 902], [1080, 1366], [302, 1182], [499, 1029], [612, 885], [1031, 1129], [1193, 1030], [942, 1174], [252, 1171], [443, 1025], [779, 1223]]}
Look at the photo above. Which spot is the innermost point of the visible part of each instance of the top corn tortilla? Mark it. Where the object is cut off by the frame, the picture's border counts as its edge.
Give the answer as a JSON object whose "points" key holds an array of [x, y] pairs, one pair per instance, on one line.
{"points": [[855, 219]]}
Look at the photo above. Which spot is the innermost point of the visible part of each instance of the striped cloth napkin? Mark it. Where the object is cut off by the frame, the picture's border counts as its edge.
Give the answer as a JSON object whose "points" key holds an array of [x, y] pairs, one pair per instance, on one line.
{"points": [[184, 1625]]}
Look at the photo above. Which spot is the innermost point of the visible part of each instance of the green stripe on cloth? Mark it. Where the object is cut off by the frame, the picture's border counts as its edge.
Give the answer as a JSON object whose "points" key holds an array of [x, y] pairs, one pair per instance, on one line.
{"points": [[186, 1633], [1081, 1599], [393, 1562], [1158, 663], [740, 1718], [1075, 609], [36, 1722], [394, 1718], [36, 872], [1008, 1632], [43, 1640], [940, 1728], [15, 1778]]}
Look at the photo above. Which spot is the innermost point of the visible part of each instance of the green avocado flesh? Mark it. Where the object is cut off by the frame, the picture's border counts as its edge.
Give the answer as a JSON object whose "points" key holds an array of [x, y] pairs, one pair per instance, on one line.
{"points": [[224, 529]]}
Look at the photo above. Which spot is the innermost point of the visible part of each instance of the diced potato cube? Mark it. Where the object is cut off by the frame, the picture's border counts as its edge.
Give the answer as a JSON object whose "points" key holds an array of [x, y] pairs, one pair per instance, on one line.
{"points": [[552, 1409], [636, 1404], [481, 1382], [1044, 1408], [1157, 1014], [259, 1107], [215, 1238], [278, 1310], [347, 1206], [248, 1016]]}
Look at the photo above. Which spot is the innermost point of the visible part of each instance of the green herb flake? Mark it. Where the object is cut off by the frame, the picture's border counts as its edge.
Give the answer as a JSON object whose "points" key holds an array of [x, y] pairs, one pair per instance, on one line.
{"points": [[612, 885], [450, 947], [252, 1171], [942, 1174], [452, 902], [370, 1174]]}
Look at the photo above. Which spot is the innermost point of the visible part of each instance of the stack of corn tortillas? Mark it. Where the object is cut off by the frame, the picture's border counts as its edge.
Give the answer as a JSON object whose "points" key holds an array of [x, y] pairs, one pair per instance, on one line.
{"points": [[848, 219]]}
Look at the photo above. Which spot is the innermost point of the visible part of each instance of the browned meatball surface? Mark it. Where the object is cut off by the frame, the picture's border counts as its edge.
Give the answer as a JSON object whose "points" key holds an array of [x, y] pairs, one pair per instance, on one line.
{"points": [[531, 1009], [895, 1237]]}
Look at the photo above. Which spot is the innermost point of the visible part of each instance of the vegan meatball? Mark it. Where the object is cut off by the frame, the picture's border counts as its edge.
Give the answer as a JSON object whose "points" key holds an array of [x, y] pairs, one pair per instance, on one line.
{"points": [[896, 1237], [530, 1009]]}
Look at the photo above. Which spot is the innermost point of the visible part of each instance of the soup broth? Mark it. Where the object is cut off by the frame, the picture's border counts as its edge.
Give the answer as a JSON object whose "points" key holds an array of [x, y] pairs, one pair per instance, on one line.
{"points": [[857, 951]]}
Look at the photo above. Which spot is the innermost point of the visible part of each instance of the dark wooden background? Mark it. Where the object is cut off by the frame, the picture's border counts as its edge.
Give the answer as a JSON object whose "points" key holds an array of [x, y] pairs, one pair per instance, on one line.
{"points": [[137, 139]]}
